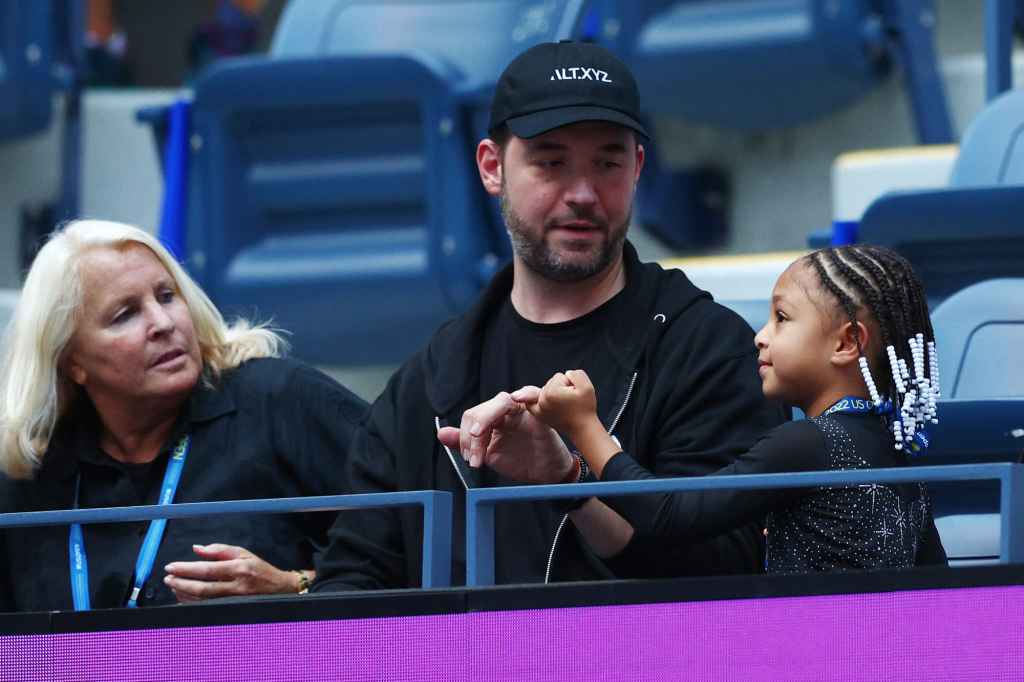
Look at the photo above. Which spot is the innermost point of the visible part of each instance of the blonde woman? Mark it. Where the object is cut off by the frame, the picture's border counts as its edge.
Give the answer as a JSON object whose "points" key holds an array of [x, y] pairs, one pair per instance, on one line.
{"points": [[121, 385]]}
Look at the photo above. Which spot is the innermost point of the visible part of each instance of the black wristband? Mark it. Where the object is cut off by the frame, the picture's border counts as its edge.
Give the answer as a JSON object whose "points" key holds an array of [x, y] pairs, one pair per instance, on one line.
{"points": [[568, 504]]}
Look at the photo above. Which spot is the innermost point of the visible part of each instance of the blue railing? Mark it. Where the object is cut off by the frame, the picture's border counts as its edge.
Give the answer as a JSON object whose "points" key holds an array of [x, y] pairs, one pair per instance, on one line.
{"points": [[480, 503], [437, 518]]}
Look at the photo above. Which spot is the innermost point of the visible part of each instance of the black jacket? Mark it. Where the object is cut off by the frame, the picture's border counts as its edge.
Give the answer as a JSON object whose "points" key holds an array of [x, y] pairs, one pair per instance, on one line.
{"points": [[270, 428], [807, 529], [685, 399]]}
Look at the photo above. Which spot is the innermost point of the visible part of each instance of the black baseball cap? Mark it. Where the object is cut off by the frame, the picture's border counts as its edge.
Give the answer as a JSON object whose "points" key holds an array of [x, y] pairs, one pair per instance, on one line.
{"points": [[555, 84]]}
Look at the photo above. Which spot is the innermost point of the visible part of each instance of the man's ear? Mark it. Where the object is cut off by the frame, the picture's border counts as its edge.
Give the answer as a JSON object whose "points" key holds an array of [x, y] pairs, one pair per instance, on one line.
{"points": [[640, 155], [845, 349], [488, 162]]}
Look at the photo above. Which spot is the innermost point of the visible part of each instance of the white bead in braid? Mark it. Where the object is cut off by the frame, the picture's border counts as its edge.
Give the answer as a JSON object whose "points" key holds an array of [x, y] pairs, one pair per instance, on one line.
{"points": [[917, 354], [894, 363], [903, 370], [869, 381], [897, 432], [933, 372]]}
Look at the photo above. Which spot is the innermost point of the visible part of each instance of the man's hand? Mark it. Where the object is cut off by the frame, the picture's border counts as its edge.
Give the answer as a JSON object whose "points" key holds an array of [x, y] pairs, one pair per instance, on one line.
{"points": [[225, 572], [567, 403], [505, 437]]}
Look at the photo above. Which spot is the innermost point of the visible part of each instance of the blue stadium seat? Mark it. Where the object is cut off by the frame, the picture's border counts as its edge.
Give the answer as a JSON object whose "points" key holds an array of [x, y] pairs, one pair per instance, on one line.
{"points": [[992, 151], [476, 39], [26, 79], [760, 65], [333, 185], [979, 332], [321, 201], [765, 64], [953, 237], [971, 231]]}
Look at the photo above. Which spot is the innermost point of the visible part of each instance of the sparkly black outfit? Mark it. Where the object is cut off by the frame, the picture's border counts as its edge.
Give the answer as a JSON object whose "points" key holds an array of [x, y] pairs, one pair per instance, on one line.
{"points": [[817, 529]]}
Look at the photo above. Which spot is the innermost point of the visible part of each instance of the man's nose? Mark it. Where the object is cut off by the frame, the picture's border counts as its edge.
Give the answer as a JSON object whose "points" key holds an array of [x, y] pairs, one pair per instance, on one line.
{"points": [[581, 191]]}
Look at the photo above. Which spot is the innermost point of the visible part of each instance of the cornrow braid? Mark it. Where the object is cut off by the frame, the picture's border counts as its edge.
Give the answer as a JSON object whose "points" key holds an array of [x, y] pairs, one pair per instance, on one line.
{"points": [[868, 291], [893, 311], [884, 285], [917, 301], [844, 299]]}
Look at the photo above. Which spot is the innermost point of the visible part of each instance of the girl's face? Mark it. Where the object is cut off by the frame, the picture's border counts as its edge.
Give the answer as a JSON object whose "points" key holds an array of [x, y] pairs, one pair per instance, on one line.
{"points": [[797, 342]]}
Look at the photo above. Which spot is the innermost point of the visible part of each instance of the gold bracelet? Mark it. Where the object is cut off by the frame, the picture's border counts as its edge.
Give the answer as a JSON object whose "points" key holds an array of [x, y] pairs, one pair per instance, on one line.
{"points": [[303, 581]]}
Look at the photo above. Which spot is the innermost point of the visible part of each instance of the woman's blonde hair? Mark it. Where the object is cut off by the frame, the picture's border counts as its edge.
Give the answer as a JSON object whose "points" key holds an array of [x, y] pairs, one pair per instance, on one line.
{"points": [[35, 393]]}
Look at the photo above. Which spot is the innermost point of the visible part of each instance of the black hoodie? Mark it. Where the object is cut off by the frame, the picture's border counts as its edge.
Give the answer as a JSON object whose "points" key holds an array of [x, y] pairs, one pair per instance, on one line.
{"points": [[683, 397]]}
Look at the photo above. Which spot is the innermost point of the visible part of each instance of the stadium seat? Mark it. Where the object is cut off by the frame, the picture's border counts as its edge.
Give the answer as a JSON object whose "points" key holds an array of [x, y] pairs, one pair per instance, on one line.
{"points": [[26, 79], [971, 231], [992, 151], [978, 332], [968, 512], [333, 186], [477, 39], [766, 64], [756, 65], [320, 203]]}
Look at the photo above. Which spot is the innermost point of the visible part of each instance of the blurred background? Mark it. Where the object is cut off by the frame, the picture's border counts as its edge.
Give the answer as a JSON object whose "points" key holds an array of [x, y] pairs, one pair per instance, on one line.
{"points": [[319, 168]]}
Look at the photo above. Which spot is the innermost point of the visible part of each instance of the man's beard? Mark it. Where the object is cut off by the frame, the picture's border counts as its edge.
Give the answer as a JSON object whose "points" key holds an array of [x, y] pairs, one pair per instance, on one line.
{"points": [[537, 255]]}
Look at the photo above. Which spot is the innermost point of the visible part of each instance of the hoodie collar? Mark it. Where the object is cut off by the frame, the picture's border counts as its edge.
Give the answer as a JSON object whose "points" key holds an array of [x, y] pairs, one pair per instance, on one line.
{"points": [[451, 362]]}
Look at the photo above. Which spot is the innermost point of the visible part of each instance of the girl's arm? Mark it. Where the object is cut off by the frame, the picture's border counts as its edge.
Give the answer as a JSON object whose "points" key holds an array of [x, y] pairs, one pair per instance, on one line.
{"points": [[568, 404]]}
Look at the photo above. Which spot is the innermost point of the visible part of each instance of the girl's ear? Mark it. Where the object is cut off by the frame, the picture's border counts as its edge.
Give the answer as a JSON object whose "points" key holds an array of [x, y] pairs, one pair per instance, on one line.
{"points": [[845, 349]]}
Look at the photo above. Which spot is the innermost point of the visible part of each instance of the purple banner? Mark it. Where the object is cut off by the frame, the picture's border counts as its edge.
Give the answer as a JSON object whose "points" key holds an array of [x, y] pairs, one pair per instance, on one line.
{"points": [[952, 634]]}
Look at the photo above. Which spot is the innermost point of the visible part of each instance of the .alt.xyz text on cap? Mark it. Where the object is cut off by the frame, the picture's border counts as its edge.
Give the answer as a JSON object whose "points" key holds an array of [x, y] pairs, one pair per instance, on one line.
{"points": [[555, 84]]}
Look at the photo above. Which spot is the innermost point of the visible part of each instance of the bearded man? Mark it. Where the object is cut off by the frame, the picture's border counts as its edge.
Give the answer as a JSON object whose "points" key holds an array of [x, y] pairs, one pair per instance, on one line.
{"points": [[676, 373]]}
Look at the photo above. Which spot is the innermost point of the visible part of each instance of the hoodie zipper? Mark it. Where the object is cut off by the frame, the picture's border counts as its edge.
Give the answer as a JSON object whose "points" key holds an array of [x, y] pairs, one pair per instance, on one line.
{"points": [[451, 457], [565, 518]]}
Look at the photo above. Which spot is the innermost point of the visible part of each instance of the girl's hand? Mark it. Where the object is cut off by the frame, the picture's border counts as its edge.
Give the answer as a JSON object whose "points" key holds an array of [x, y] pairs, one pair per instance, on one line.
{"points": [[567, 403]]}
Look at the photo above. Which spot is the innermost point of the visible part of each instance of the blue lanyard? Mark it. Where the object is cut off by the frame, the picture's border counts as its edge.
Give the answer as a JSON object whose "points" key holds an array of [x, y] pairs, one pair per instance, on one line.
{"points": [[150, 545], [851, 404]]}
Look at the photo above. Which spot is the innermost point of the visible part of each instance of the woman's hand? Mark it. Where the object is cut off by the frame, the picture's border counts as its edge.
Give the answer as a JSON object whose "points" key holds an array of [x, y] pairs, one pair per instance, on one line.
{"points": [[567, 403], [228, 571]]}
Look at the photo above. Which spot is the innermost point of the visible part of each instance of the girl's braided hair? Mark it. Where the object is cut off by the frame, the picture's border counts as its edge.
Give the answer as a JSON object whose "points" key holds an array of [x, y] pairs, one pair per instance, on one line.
{"points": [[883, 285]]}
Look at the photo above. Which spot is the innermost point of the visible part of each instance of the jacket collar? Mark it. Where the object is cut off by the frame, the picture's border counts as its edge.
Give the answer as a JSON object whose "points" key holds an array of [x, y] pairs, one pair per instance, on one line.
{"points": [[77, 434], [451, 362]]}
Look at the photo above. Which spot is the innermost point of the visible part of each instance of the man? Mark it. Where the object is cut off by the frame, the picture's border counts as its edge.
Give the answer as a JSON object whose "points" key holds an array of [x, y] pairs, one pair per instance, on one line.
{"points": [[676, 374]]}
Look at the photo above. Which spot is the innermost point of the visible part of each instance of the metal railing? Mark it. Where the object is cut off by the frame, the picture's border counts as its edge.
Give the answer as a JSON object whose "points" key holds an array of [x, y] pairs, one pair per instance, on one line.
{"points": [[480, 503], [437, 518]]}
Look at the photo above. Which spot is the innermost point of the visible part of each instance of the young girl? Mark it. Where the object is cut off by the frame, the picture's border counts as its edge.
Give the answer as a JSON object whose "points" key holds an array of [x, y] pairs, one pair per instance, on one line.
{"points": [[849, 341]]}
